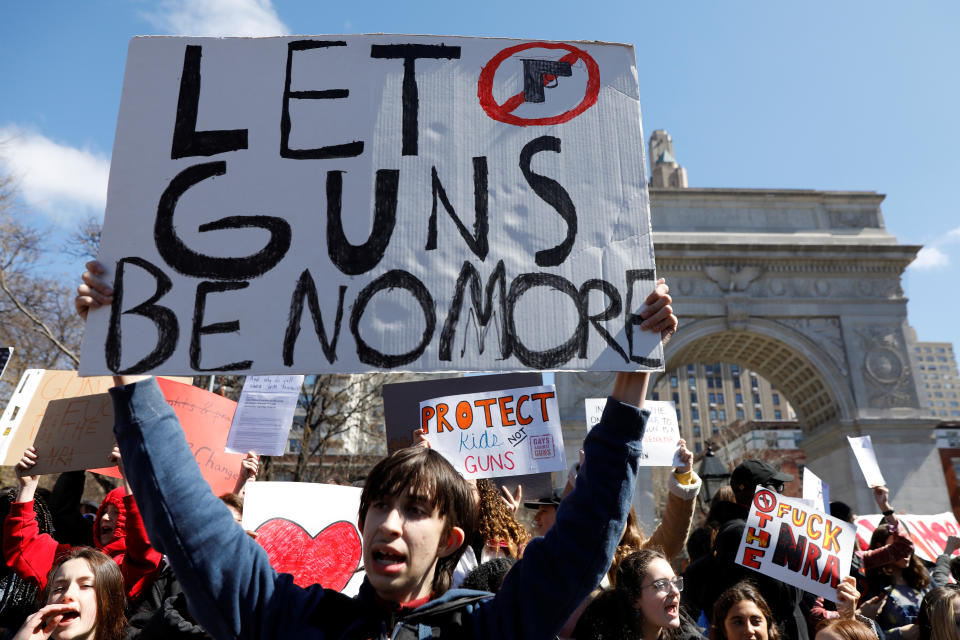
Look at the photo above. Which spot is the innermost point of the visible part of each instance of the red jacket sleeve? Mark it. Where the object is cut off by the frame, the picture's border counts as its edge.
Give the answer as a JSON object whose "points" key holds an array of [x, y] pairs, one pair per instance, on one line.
{"points": [[141, 560], [28, 553]]}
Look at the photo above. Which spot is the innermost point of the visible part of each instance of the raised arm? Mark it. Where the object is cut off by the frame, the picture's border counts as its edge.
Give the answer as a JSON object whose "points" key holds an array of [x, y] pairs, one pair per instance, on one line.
{"points": [[28, 552], [560, 569]]}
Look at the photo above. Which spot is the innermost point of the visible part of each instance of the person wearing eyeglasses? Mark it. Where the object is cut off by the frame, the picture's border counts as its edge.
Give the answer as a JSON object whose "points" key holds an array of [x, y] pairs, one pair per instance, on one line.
{"points": [[644, 604]]}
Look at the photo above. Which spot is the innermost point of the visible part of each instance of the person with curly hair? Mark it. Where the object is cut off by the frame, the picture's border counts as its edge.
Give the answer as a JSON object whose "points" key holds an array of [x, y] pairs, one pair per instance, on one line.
{"points": [[499, 534]]}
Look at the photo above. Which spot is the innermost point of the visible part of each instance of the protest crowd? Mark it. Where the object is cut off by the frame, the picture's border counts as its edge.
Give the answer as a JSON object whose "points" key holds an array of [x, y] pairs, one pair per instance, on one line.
{"points": [[443, 556]]}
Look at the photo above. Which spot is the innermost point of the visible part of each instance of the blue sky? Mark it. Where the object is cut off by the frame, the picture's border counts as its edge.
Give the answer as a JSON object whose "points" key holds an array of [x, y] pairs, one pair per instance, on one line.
{"points": [[822, 95]]}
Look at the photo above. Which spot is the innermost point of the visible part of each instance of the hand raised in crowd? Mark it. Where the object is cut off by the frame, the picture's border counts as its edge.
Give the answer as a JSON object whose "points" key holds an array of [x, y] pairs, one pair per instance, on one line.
{"points": [[512, 500], [95, 292], [685, 456], [882, 495], [420, 438], [872, 607], [249, 467], [42, 623], [847, 597], [953, 543], [657, 313], [117, 459], [27, 482]]}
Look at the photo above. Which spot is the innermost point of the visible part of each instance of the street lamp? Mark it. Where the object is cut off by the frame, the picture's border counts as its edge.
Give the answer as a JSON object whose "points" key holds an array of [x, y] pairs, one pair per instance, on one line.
{"points": [[714, 474]]}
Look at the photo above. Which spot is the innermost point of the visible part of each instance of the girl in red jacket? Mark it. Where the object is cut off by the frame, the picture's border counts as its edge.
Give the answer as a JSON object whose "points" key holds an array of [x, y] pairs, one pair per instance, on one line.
{"points": [[118, 531]]}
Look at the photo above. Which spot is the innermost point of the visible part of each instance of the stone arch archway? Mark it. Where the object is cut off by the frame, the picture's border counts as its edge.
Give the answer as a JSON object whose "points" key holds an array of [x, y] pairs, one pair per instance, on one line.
{"points": [[803, 287], [807, 373]]}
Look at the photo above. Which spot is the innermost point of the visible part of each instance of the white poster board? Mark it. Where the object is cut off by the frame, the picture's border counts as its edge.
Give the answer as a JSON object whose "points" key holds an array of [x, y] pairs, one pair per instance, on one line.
{"points": [[660, 438], [867, 459], [264, 415], [308, 530], [497, 433], [375, 202], [815, 491], [788, 540]]}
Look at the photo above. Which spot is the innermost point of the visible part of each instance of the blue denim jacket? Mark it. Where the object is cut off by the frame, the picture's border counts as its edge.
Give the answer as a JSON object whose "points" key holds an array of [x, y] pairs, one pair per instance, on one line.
{"points": [[234, 592]]}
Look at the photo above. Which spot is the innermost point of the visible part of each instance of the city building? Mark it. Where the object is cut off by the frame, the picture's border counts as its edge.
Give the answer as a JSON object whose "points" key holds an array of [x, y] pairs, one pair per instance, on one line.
{"points": [[709, 398], [936, 368]]}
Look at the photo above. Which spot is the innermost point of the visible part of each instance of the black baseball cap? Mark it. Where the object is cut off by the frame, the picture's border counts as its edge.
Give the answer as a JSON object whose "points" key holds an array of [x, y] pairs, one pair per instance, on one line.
{"points": [[553, 500], [750, 473]]}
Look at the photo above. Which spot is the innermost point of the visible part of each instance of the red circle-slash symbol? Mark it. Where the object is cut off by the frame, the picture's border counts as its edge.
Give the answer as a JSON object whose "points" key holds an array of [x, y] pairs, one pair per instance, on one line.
{"points": [[764, 501], [504, 112]]}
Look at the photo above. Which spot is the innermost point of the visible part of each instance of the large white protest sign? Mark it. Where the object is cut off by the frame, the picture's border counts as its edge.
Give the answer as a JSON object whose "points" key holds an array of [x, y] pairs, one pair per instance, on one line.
{"points": [[788, 540], [497, 433], [660, 437], [815, 491], [378, 202], [867, 459], [309, 531], [264, 415], [928, 533]]}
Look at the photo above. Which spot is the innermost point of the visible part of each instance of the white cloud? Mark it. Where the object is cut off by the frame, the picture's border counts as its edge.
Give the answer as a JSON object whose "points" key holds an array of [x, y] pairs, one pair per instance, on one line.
{"points": [[218, 18], [59, 180], [931, 258], [953, 234]]}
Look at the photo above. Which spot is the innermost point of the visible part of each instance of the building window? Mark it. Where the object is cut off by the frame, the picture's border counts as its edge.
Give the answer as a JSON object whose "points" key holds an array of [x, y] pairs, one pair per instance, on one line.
{"points": [[777, 415], [710, 382], [697, 447], [696, 430], [713, 414], [690, 369], [756, 398], [719, 382], [739, 413], [695, 414], [295, 445], [673, 381], [723, 415], [758, 414], [715, 430], [736, 382], [739, 397], [719, 398], [656, 396], [709, 369], [693, 397], [676, 398], [692, 382], [679, 418], [776, 399], [713, 398], [735, 369]]}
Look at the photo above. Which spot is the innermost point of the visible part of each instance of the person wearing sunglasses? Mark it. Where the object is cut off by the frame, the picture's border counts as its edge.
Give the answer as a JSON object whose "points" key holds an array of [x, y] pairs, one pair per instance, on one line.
{"points": [[645, 603]]}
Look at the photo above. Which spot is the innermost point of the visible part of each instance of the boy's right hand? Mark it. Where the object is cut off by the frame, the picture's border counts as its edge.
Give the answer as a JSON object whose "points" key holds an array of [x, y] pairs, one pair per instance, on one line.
{"points": [[27, 462], [95, 292]]}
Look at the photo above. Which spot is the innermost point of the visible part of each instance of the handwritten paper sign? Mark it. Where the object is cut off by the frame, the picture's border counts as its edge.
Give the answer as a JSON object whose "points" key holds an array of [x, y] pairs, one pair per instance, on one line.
{"points": [[76, 433], [375, 202], [315, 545], [36, 389], [867, 459], [499, 433], [815, 491], [928, 533], [264, 415], [659, 447], [792, 542]]}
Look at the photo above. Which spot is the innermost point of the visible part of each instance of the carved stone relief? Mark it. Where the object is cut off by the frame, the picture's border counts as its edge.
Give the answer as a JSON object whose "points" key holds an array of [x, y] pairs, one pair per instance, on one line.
{"points": [[886, 375], [784, 286]]}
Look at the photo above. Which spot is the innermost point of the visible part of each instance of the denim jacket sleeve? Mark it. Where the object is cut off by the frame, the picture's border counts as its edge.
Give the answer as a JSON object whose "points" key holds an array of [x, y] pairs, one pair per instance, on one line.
{"points": [[560, 569], [229, 583]]}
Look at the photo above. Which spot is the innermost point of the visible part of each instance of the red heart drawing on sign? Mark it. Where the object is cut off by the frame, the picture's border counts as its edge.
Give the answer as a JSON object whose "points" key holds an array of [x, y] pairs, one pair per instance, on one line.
{"points": [[330, 558]]}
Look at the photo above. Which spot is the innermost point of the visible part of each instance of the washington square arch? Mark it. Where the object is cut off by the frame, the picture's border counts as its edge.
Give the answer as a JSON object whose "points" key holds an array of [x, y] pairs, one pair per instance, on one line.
{"points": [[803, 287]]}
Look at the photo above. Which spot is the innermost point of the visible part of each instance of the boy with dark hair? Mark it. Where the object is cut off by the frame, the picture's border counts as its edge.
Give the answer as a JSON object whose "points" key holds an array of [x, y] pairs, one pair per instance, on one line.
{"points": [[415, 513]]}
